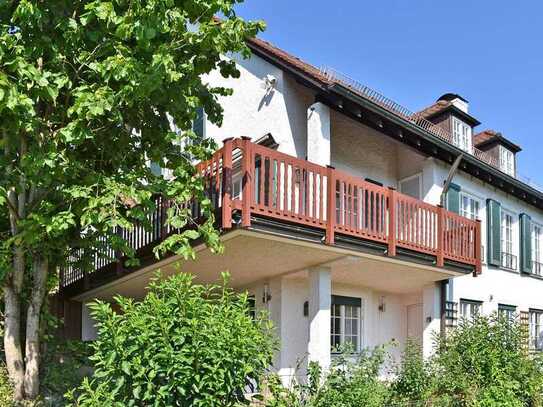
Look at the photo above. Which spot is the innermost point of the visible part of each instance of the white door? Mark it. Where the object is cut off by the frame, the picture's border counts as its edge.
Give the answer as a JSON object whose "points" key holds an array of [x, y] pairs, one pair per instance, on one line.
{"points": [[414, 321]]}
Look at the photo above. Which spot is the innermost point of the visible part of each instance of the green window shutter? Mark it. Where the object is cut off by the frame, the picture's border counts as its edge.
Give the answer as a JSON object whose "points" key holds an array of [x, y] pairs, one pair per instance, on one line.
{"points": [[525, 243], [198, 126], [494, 232], [453, 198]]}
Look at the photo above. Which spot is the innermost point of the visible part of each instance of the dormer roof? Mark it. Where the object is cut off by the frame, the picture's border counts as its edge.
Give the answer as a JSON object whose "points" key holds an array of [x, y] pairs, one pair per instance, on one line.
{"points": [[489, 137]]}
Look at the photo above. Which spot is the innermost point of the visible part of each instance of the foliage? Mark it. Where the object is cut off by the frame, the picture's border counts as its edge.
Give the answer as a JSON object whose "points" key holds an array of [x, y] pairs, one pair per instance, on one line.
{"points": [[182, 345], [6, 392], [481, 363], [413, 377], [91, 92], [64, 365], [353, 381], [485, 363]]}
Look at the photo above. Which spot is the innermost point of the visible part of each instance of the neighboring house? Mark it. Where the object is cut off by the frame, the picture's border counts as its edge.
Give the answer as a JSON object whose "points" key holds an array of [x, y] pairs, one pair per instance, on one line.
{"points": [[331, 219]]}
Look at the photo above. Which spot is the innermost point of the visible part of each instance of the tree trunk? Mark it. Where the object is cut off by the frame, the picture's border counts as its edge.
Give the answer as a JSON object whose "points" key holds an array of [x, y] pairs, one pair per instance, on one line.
{"points": [[32, 349], [12, 341]]}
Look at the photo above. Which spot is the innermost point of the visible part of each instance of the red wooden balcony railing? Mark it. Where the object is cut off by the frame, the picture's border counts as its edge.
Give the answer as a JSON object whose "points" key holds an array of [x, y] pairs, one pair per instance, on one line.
{"points": [[259, 181], [279, 186]]}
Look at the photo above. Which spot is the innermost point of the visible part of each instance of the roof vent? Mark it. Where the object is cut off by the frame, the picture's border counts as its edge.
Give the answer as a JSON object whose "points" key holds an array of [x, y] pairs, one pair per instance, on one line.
{"points": [[456, 100]]}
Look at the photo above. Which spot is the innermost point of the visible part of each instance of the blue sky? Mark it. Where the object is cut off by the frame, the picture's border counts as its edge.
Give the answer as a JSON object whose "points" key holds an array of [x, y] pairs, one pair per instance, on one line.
{"points": [[413, 51]]}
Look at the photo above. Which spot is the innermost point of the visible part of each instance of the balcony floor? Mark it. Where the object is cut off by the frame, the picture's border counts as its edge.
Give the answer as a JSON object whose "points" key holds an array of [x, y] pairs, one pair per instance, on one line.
{"points": [[252, 256]]}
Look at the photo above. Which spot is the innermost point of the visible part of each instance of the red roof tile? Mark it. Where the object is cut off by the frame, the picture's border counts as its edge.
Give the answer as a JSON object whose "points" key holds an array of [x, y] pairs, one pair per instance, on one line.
{"points": [[289, 59], [437, 107], [487, 136]]}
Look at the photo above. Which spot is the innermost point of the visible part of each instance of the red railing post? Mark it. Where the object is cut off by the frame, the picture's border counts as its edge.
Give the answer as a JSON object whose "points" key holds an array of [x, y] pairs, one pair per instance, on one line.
{"points": [[478, 254], [331, 205], [227, 184], [392, 202], [248, 179], [440, 260]]}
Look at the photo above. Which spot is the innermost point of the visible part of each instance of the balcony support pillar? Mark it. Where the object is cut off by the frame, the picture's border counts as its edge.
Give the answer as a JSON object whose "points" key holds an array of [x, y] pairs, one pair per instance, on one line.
{"points": [[320, 298], [431, 313]]}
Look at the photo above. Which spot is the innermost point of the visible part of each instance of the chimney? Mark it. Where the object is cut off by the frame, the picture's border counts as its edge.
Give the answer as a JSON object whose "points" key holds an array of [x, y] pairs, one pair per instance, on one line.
{"points": [[456, 100]]}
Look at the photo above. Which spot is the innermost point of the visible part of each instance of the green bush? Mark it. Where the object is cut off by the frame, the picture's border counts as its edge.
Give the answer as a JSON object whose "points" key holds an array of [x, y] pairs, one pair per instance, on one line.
{"points": [[5, 387], [64, 365], [413, 377], [485, 363], [182, 345], [481, 363], [353, 381]]}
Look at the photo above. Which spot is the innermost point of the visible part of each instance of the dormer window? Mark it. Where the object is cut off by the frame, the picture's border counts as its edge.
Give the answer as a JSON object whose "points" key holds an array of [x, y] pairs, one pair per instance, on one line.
{"points": [[461, 134], [507, 161]]}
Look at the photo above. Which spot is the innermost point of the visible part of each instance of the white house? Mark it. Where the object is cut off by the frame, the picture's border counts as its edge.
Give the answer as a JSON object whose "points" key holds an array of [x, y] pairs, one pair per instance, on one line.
{"points": [[330, 216]]}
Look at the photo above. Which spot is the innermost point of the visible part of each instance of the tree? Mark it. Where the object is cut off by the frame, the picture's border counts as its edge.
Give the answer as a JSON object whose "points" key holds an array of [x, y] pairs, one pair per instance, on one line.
{"points": [[182, 345], [88, 94]]}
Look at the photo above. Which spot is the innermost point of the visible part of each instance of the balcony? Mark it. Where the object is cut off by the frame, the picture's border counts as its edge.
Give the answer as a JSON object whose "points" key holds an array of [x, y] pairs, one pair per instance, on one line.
{"points": [[248, 182]]}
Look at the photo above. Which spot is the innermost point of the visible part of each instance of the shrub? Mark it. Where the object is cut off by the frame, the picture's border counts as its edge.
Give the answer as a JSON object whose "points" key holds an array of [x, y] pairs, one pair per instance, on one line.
{"points": [[353, 381], [6, 391], [64, 365], [182, 345], [413, 381], [485, 363]]}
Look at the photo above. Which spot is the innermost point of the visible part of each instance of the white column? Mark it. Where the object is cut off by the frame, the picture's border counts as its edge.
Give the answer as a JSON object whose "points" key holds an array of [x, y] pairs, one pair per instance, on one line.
{"points": [[88, 324], [318, 134], [320, 296], [431, 314]]}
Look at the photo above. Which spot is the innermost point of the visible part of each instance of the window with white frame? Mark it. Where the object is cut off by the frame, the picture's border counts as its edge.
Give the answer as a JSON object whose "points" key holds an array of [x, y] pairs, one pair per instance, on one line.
{"points": [[507, 161], [461, 134], [346, 323], [509, 258], [470, 309], [507, 312], [536, 329], [537, 246], [469, 206]]}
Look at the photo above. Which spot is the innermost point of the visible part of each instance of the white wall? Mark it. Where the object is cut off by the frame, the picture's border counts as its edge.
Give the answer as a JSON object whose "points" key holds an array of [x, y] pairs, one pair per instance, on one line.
{"points": [[495, 285], [88, 329], [388, 327], [251, 112]]}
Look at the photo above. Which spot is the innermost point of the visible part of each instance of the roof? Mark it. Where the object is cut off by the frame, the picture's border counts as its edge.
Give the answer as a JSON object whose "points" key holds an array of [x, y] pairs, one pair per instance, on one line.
{"points": [[432, 110], [256, 44], [443, 105], [489, 137]]}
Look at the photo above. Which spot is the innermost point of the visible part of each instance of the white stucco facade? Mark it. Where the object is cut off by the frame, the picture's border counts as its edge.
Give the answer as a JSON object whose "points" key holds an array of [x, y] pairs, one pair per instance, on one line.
{"points": [[305, 128]]}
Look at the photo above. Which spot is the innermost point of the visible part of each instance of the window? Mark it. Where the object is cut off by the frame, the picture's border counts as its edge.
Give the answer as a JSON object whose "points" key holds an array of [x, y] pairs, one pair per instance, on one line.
{"points": [[470, 309], [536, 329], [509, 260], [507, 161], [346, 317], [469, 206], [411, 186], [461, 135], [537, 259], [507, 312]]}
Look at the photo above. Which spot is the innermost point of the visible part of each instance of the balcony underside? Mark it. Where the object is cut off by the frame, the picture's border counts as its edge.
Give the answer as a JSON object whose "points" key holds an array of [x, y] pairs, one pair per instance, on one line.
{"points": [[268, 249]]}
